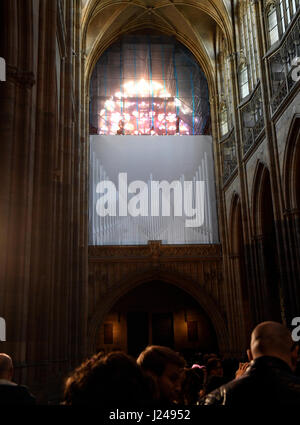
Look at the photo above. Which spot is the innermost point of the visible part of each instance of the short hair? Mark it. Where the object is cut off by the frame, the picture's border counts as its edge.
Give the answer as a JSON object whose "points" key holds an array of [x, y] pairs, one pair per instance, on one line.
{"points": [[271, 338], [107, 380], [156, 358], [212, 364], [6, 364]]}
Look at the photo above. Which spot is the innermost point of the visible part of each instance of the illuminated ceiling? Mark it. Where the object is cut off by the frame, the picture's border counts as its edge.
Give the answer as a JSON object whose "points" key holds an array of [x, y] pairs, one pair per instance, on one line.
{"points": [[193, 22]]}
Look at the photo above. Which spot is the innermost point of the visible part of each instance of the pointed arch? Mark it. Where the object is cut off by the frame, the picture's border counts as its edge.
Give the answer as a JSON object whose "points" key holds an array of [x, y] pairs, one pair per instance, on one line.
{"points": [[291, 166], [238, 261], [267, 257], [183, 282]]}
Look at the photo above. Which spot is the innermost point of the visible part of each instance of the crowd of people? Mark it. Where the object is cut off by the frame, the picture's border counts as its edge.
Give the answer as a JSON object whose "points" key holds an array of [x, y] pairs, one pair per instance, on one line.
{"points": [[161, 377]]}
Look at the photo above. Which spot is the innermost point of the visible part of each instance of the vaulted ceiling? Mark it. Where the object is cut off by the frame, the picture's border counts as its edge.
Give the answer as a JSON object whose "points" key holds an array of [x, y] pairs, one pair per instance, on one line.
{"points": [[193, 22]]}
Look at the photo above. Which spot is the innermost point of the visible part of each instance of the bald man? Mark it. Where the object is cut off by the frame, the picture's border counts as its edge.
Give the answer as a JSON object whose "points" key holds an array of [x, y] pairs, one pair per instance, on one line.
{"points": [[11, 393], [269, 380]]}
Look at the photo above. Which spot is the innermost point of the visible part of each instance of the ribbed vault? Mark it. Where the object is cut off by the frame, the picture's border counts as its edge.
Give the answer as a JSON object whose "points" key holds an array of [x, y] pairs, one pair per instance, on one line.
{"points": [[195, 24]]}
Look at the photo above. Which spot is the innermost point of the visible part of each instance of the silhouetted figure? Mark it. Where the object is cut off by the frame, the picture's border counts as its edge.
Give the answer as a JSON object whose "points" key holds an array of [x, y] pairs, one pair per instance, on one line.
{"points": [[269, 380], [112, 380], [165, 367], [191, 386], [177, 125], [10, 392], [121, 130], [214, 374]]}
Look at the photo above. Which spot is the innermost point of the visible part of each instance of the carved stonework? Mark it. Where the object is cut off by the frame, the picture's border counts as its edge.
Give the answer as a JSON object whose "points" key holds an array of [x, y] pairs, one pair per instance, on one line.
{"points": [[116, 268], [154, 250]]}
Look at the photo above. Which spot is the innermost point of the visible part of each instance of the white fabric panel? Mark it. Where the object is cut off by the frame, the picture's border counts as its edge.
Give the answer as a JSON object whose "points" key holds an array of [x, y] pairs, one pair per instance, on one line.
{"points": [[146, 158]]}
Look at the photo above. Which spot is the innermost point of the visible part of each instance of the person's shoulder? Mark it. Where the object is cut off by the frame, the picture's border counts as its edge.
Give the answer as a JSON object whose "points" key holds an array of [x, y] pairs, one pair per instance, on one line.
{"points": [[223, 394], [16, 394]]}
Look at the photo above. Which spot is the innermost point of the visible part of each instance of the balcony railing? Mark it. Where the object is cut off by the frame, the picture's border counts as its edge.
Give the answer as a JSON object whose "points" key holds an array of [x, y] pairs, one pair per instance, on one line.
{"points": [[282, 65], [229, 156], [252, 119]]}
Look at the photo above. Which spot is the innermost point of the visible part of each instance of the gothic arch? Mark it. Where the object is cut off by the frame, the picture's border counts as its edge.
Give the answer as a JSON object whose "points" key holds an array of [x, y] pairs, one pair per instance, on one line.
{"points": [[238, 260], [264, 230], [215, 10], [261, 178], [291, 167], [182, 282], [234, 223]]}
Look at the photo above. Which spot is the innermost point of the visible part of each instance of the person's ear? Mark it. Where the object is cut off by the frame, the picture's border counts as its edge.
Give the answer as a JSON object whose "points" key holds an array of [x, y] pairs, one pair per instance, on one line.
{"points": [[249, 354]]}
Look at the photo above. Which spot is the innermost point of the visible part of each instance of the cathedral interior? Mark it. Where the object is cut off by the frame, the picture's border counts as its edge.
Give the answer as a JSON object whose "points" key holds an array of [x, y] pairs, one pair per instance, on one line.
{"points": [[181, 89]]}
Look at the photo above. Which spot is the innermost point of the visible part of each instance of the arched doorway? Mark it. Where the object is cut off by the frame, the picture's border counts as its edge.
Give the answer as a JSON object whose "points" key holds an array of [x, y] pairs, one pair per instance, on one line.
{"points": [[157, 313], [266, 242], [188, 287]]}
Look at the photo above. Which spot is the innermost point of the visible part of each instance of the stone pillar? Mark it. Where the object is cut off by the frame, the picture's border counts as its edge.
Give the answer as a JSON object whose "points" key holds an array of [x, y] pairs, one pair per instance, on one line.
{"points": [[41, 262]]}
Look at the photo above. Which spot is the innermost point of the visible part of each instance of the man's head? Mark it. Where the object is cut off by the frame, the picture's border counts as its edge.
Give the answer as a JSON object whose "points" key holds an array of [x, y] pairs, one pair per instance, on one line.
{"points": [[165, 367], [273, 339], [6, 367], [214, 367]]}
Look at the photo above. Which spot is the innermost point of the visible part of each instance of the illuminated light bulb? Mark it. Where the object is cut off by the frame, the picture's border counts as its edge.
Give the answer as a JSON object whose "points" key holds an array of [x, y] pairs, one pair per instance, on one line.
{"points": [[135, 114], [161, 117], [102, 112], [118, 95]]}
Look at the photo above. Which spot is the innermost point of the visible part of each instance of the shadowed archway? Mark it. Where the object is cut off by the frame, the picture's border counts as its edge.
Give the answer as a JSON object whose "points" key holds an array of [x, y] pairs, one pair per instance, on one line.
{"points": [[238, 261], [266, 245], [186, 284]]}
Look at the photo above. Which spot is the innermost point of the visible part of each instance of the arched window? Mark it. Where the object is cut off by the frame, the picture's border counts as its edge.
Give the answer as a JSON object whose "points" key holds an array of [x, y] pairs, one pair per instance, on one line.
{"points": [[224, 87], [279, 15], [224, 127], [248, 72], [273, 25], [244, 81], [149, 85]]}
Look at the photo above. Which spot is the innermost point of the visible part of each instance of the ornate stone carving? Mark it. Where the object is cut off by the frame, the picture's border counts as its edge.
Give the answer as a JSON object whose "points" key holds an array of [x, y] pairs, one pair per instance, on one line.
{"points": [[253, 119], [229, 156], [154, 250], [282, 64]]}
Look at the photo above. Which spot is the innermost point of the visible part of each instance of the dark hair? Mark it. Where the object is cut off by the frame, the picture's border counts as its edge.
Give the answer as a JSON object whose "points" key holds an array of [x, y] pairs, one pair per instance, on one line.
{"points": [[155, 359], [191, 386], [108, 380], [212, 364]]}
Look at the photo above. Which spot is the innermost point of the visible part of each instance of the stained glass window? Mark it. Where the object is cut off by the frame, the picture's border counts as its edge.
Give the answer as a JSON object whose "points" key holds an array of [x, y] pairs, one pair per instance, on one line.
{"points": [[149, 85]]}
